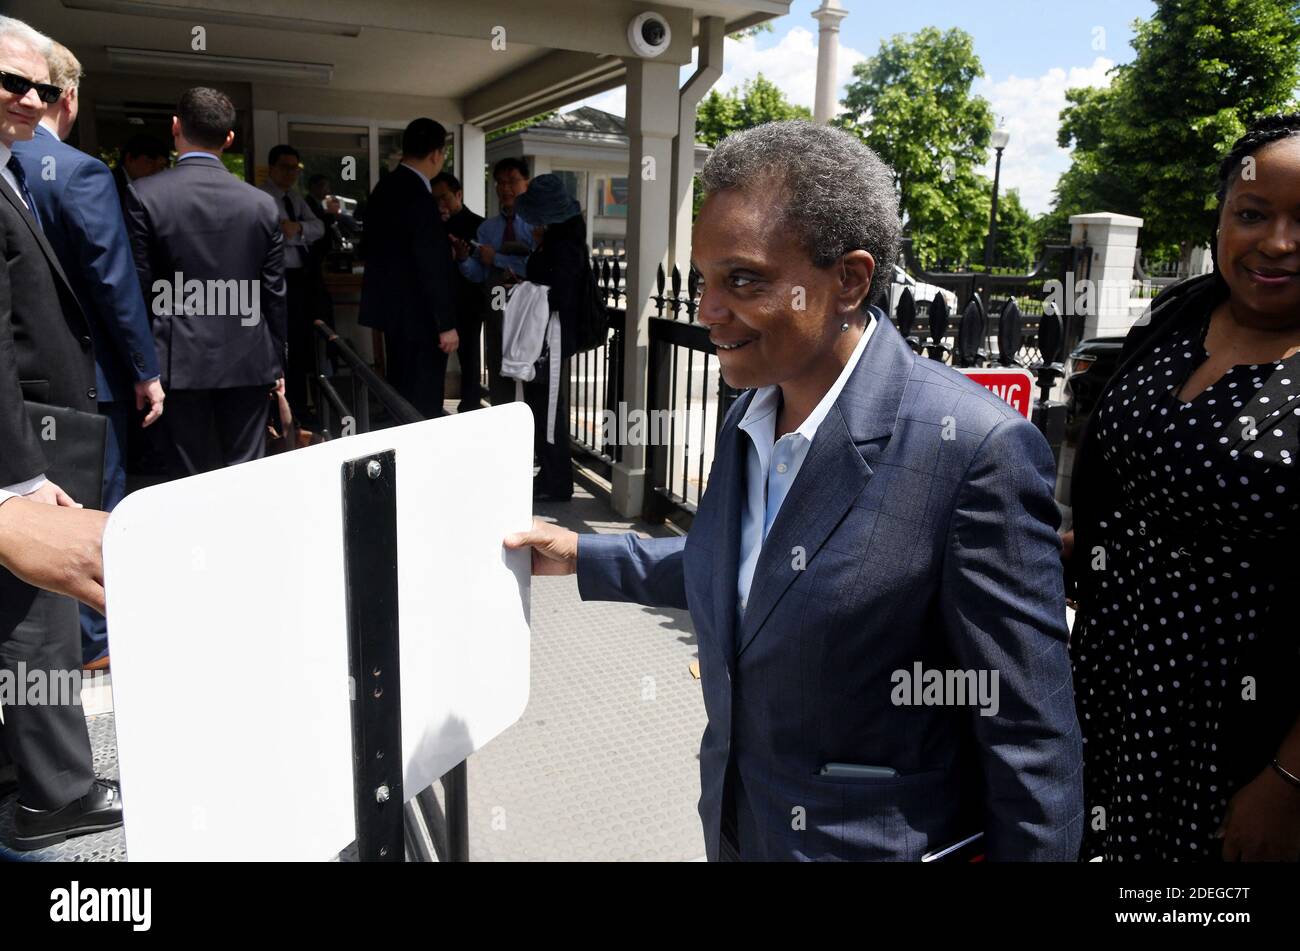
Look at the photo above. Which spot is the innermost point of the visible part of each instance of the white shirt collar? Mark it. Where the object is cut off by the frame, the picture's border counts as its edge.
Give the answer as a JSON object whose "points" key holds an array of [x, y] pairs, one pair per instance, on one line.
{"points": [[5, 152], [767, 399]]}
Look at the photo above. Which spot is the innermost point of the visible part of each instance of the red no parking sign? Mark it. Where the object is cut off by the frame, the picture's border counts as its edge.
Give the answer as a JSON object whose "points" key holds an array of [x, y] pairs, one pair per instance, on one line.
{"points": [[1013, 385]]}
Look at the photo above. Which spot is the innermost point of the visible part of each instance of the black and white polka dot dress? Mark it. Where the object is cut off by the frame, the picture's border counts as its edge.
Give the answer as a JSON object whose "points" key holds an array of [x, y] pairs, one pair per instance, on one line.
{"points": [[1185, 591]]}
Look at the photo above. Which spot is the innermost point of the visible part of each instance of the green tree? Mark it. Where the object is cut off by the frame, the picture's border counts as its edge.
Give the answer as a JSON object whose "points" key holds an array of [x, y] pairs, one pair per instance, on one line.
{"points": [[1017, 242], [757, 101], [912, 104], [1150, 143], [764, 27]]}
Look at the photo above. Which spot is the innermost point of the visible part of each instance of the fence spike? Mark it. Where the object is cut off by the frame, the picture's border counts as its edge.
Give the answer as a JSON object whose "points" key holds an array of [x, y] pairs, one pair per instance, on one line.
{"points": [[905, 312], [970, 333], [1010, 333]]}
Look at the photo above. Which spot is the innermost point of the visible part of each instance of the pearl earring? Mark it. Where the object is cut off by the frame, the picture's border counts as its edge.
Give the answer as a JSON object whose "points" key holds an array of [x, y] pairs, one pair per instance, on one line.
{"points": [[844, 327]]}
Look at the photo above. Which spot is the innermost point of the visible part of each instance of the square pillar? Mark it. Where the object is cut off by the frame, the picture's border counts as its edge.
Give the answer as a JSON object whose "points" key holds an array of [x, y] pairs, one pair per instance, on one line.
{"points": [[470, 150], [1113, 239], [265, 134], [651, 126]]}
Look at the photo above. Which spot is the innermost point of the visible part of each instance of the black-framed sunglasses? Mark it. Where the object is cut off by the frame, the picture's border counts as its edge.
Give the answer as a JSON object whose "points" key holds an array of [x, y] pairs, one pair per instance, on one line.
{"points": [[20, 85]]}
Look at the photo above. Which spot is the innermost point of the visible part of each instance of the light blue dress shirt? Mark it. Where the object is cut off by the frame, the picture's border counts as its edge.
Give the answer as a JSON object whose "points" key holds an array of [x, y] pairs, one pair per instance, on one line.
{"points": [[771, 465], [491, 232]]}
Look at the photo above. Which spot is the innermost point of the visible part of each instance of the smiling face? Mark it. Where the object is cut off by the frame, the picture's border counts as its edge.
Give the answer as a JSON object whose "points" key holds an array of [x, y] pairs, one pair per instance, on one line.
{"points": [[1259, 234], [774, 316], [19, 115]]}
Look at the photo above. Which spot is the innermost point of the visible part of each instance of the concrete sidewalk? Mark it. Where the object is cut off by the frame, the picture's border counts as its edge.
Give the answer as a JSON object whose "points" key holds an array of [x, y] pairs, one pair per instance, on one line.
{"points": [[602, 765]]}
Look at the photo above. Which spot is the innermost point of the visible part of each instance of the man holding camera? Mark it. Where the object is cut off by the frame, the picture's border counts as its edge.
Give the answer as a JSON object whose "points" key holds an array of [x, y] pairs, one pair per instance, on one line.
{"points": [[498, 257]]}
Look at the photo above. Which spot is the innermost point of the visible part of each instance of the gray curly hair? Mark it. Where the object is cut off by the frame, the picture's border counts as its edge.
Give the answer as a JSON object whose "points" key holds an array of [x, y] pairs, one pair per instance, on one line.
{"points": [[828, 188]]}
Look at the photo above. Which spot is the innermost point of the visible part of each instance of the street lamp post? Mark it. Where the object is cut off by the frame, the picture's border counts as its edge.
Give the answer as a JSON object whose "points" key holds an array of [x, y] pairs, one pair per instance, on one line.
{"points": [[999, 141]]}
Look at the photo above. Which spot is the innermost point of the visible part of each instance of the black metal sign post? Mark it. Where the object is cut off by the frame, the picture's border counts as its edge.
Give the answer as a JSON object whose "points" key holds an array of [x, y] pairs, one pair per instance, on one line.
{"points": [[370, 580]]}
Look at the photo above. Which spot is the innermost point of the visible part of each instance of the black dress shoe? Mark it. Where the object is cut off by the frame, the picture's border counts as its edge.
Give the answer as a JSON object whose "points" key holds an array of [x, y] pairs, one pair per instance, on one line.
{"points": [[97, 811]]}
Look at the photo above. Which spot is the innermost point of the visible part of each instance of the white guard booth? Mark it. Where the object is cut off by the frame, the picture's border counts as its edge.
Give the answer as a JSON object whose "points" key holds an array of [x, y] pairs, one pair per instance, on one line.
{"points": [[230, 635]]}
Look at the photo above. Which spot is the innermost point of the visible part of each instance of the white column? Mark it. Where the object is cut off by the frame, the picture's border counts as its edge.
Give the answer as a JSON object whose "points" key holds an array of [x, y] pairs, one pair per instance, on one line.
{"points": [[1202, 262], [1113, 240], [651, 126], [470, 147], [266, 134], [589, 207], [828, 17]]}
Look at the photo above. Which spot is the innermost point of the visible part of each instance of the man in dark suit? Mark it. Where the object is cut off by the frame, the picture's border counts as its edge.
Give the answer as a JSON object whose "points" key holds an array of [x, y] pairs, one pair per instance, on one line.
{"points": [[210, 260], [873, 572], [82, 221], [462, 224], [142, 156], [409, 289], [46, 355]]}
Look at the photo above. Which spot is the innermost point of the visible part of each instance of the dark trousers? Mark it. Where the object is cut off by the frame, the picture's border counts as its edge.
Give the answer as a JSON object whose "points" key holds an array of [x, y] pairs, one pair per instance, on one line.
{"points": [[556, 475], [418, 371], [48, 741], [300, 299], [501, 390], [212, 429], [470, 330], [94, 629]]}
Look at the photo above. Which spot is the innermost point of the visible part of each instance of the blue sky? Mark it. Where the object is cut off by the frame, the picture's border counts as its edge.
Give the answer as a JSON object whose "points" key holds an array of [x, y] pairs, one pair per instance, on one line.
{"points": [[1031, 52]]}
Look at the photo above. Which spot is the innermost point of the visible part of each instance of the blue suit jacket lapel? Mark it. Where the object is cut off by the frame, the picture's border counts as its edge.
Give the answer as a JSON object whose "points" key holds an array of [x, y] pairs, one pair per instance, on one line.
{"points": [[834, 473], [731, 487]]}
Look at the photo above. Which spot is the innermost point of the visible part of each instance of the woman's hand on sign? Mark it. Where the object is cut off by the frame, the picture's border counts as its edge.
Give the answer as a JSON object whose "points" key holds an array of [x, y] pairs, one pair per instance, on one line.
{"points": [[555, 549]]}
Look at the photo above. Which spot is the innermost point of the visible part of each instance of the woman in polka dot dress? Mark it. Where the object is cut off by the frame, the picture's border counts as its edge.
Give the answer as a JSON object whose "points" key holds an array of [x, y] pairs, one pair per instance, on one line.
{"points": [[1186, 547]]}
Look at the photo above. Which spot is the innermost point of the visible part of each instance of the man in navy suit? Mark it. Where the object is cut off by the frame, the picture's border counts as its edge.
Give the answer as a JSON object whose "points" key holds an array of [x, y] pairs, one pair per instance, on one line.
{"points": [[873, 572], [77, 204]]}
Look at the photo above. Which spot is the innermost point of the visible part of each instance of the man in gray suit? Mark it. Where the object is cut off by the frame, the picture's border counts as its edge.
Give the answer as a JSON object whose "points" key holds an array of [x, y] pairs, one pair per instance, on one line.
{"points": [[873, 572], [210, 258]]}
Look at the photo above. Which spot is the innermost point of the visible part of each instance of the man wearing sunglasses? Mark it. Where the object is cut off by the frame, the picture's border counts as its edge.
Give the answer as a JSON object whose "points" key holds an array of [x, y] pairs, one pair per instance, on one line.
{"points": [[77, 205], [46, 355]]}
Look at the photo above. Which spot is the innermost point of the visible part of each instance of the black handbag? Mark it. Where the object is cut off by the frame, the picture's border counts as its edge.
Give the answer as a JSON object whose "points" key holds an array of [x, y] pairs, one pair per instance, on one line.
{"points": [[74, 444]]}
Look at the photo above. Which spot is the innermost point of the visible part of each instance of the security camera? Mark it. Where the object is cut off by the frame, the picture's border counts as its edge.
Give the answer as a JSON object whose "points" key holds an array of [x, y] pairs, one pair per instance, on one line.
{"points": [[648, 35]]}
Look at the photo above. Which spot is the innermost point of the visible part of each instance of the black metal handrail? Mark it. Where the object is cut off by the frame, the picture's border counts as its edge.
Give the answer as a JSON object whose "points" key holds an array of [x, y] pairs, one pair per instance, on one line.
{"points": [[449, 830]]}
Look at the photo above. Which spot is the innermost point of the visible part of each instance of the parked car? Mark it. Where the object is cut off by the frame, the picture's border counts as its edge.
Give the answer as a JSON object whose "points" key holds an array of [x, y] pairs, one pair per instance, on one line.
{"points": [[921, 293], [1090, 367]]}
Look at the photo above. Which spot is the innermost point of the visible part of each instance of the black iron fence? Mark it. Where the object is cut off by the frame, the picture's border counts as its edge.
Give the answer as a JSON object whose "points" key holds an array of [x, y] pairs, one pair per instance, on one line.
{"points": [[689, 398], [1149, 279], [1065, 264], [596, 377], [435, 831]]}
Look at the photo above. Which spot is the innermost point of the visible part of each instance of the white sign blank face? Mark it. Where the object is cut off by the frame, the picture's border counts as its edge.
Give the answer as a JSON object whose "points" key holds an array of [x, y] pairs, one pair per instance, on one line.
{"points": [[228, 633]]}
